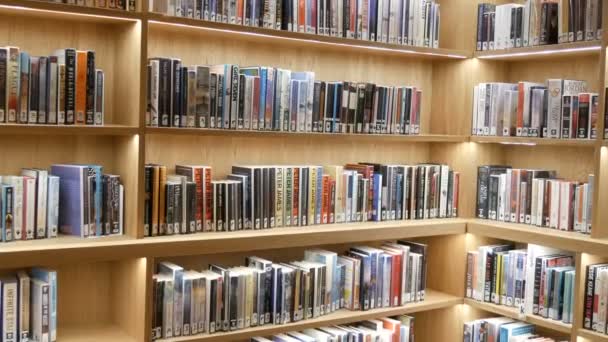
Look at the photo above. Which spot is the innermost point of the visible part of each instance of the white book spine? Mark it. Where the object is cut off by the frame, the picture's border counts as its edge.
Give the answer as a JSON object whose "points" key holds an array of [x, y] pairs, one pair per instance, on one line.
{"points": [[555, 204], [9, 311], [53, 207], [555, 88], [29, 205], [52, 114]]}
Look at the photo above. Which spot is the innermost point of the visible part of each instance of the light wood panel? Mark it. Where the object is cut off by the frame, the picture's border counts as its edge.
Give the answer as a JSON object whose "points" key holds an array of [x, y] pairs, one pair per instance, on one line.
{"points": [[579, 68], [116, 46], [535, 141], [543, 52], [439, 325], [222, 152]]}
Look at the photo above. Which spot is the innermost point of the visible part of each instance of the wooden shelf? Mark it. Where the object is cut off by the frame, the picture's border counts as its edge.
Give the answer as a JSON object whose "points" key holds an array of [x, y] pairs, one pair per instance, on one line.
{"points": [[543, 51], [277, 134], [434, 300], [302, 39], [514, 313], [15, 129], [65, 249], [535, 141], [570, 241], [93, 333], [592, 335], [48, 9]]}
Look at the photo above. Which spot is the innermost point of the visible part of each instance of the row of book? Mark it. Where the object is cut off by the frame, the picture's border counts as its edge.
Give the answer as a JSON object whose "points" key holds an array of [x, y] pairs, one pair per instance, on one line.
{"points": [[596, 298], [188, 302], [554, 109], [502, 329], [64, 88], [543, 281], [404, 22], [71, 199], [126, 5], [260, 197], [29, 305], [535, 197], [265, 98], [386, 329], [537, 22]]}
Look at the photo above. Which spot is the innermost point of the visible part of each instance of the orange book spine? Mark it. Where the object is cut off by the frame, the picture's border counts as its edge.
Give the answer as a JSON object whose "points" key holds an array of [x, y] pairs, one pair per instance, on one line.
{"points": [[81, 87], [396, 280], [239, 12], [301, 15], [162, 193], [296, 197], [325, 200]]}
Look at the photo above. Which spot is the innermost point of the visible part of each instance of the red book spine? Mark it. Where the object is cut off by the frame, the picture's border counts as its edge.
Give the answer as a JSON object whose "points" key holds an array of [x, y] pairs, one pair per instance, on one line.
{"points": [[301, 15], [325, 200], [198, 178], [208, 200], [396, 280]]}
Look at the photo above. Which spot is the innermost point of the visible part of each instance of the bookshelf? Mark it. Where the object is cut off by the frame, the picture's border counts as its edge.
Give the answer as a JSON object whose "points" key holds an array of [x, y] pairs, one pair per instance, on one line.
{"points": [[105, 284]]}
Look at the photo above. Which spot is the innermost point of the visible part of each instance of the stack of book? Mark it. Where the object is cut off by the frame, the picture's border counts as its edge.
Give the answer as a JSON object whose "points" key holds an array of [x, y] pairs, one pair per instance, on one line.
{"points": [[227, 96], [554, 109], [534, 197], [387, 329], [189, 302], [537, 22], [404, 22], [29, 305], [64, 88], [596, 298], [259, 197], [502, 329], [539, 282]]}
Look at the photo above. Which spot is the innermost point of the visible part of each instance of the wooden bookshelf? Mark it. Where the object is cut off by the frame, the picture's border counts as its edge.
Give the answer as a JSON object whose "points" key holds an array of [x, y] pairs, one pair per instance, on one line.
{"points": [[105, 292]]}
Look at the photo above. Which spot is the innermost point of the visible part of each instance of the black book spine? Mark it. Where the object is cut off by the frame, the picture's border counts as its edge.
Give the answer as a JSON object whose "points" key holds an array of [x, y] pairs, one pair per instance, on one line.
{"points": [[369, 106], [583, 116], [176, 90], [513, 33], [183, 101], [566, 110], [271, 196], [492, 197], [589, 294], [483, 176], [164, 91], [552, 23], [519, 27], [544, 20], [219, 122], [147, 199], [90, 101], [316, 109], [212, 99], [346, 18], [359, 111], [170, 211], [343, 123], [420, 179], [234, 299], [606, 116], [70, 85], [229, 208], [192, 205], [3, 76], [178, 209], [494, 277], [489, 275], [537, 275], [331, 89], [259, 197], [241, 116], [213, 319], [42, 89]]}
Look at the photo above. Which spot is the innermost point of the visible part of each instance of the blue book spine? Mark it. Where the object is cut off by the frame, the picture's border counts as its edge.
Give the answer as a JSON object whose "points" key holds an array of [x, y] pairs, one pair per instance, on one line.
{"points": [[263, 81], [71, 185], [399, 194], [319, 198], [377, 197], [380, 281], [373, 18], [374, 280], [49, 277], [365, 287]]}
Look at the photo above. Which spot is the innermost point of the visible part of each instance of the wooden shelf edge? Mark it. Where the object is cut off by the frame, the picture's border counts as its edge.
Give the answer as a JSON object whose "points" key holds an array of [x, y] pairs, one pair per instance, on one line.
{"points": [[66, 249], [93, 333], [543, 51], [570, 241], [19, 129], [278, 134], [513, 313], [66, 11], [592, 335], [535, 141], [434, 300], [308, 38]]}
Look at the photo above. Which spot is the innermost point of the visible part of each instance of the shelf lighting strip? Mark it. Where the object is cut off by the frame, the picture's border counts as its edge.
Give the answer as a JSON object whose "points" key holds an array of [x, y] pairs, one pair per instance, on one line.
{"points": [[543, 52], [314, 41], [38, 10]]}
